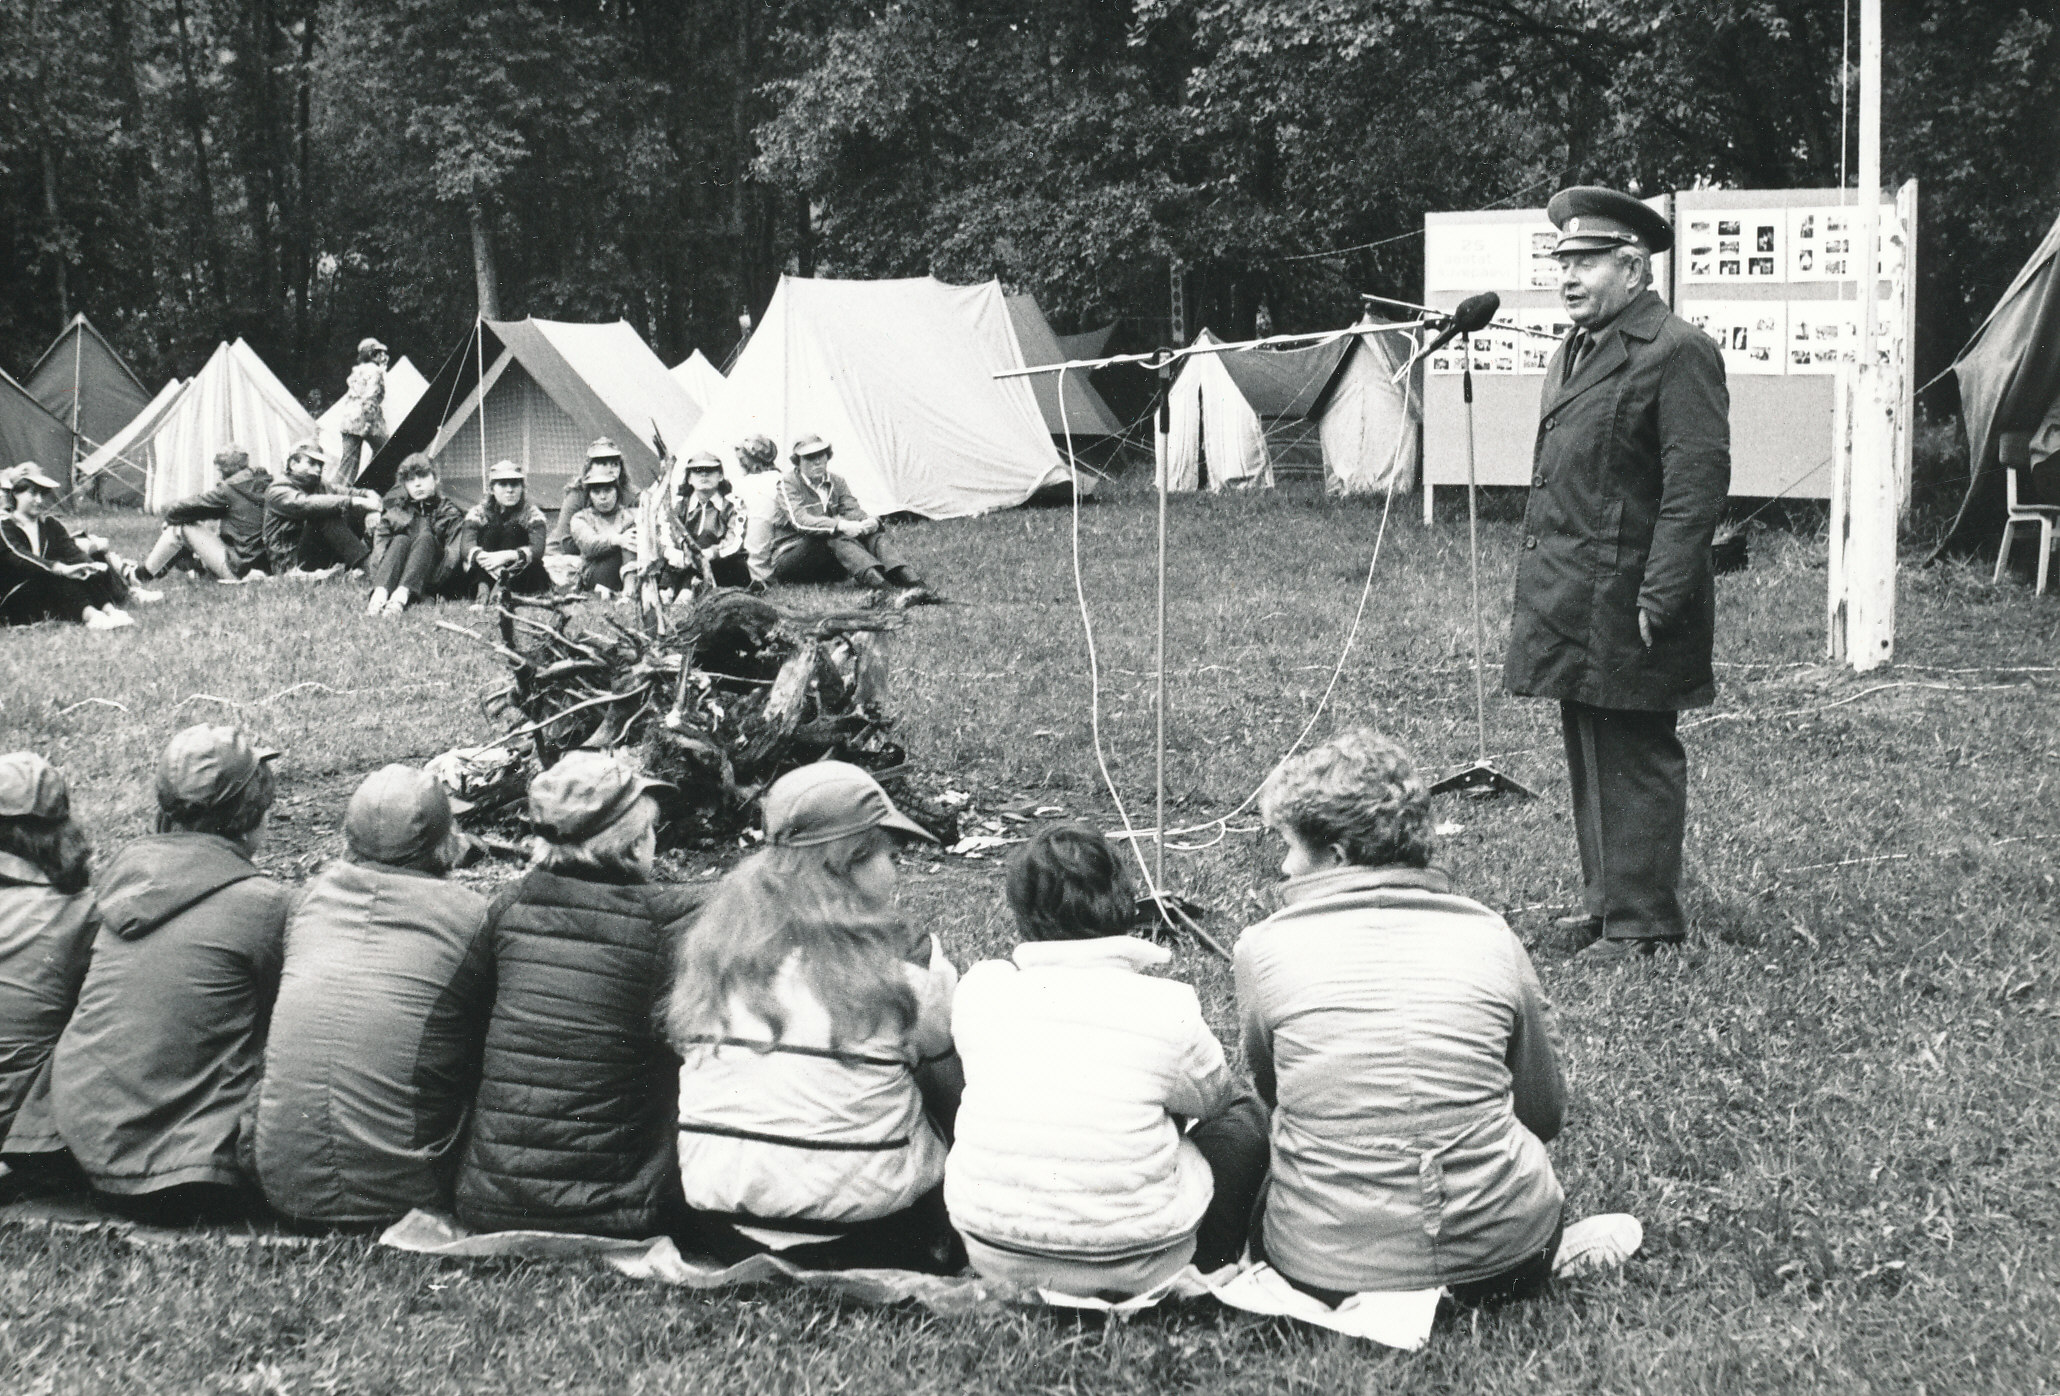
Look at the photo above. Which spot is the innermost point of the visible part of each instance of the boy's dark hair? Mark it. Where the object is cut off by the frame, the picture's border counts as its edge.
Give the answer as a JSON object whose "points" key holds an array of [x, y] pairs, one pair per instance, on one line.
{"points": [[1069, 883], [414, 467], [57, 848]]}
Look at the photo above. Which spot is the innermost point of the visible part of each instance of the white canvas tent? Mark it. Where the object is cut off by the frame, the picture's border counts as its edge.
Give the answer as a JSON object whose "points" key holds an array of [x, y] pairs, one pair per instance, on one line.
{"points": [[898, 376], [701, 378], [171, 444], [1239, 419], [404, 388]]}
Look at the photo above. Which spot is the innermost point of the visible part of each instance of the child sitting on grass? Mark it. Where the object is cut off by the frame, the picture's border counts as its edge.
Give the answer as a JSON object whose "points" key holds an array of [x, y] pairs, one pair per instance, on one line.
{"points": [[818, 1079], [1398, 1031], [1071, 1170]]}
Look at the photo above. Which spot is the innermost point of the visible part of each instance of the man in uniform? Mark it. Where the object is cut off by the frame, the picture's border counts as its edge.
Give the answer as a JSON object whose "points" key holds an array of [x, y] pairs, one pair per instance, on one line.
{"points": [[1615, 593]]}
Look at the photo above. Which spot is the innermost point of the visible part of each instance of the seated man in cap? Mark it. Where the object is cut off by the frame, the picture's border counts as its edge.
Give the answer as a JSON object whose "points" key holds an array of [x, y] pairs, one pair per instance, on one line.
{"points": [[44, 574], [309, 530], [699, 527], [822, 533], [575, 498], [149, 1081], [237, 553], [502, 540], [374, 1050], [364, 421], [759, 490], [604, 534]]}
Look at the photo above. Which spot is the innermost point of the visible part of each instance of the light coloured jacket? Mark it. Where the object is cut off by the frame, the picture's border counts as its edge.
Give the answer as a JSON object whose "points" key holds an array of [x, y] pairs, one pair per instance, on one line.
{"points": [[1076, 1064], [1398, 1031], [374, 1050], [808, 510], [800, 1129], [595, 534], [760, 494], [46, 939]]}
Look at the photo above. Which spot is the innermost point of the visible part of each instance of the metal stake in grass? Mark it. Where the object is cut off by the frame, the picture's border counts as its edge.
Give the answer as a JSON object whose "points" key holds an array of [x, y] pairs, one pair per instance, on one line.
{"points": [[1481, 780]]}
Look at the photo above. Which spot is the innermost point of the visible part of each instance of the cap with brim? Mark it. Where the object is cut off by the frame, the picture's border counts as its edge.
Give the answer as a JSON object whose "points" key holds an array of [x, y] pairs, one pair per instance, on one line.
{"points": [[30, 473], [831, 800], [205, 766], [1594, 219], [400, 815], [371, 346], [603, 471], [604, 449], [309, 450], [32, 787], [702, 460], [506, 470], [809, 446], [585, 793]]}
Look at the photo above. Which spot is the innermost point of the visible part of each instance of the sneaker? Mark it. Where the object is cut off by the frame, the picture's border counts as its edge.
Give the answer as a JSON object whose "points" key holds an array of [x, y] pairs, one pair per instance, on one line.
{"points": [[1622, 950], [917, 595], [1597, 1243], [145, 596], [257, 574], [375, 605], [107, 618], [396, 605]]}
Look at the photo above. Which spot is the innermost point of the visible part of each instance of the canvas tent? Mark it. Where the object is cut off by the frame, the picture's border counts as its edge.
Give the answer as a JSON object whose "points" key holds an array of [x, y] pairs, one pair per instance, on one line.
{"points": [[29, 431], [169, 449], [899, 377], [85, 384], [702, 379], [404, 388], [1085, 413], [550, 387], [2010, 383], [1088, 344], [1239, 419]]}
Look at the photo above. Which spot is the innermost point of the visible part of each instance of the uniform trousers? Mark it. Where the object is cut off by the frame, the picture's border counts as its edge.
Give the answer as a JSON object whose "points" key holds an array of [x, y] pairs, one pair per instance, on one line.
{"points": [[821, 558], [1630, 796]]}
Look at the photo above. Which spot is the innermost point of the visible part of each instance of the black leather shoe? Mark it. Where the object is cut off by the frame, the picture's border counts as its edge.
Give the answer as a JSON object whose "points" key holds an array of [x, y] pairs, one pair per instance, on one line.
{"points": [[1622, 950], [1576, 932]]}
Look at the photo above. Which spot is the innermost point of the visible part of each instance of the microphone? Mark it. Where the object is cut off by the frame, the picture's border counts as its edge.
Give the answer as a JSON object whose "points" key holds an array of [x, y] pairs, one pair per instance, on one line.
{"points": [[1471, 317]]}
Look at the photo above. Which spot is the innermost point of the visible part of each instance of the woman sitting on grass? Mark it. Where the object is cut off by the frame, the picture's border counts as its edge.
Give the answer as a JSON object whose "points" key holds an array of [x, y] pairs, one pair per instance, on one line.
{"points": [[47, 920], [572, 1126], [414, 542], [1071, 1170], [44, 573], [819, 1080], [1398, 1030]]}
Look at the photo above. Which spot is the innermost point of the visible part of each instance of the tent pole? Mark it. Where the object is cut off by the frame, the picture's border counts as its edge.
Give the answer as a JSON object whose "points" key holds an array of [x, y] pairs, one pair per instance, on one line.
{"points": [[1159, 831], [479, 367]]}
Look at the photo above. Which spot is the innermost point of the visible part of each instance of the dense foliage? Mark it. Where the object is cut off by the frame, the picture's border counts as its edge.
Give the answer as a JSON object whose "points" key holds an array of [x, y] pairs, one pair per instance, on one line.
{"points": [[302, 172]]}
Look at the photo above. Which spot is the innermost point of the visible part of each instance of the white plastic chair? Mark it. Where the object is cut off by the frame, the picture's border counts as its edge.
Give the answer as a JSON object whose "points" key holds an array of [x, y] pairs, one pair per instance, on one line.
{"points": [[2013, 453]]}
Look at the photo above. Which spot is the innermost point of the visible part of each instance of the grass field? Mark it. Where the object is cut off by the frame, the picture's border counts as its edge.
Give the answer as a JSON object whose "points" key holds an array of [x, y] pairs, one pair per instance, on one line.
{"points": [[1836, 1114]]}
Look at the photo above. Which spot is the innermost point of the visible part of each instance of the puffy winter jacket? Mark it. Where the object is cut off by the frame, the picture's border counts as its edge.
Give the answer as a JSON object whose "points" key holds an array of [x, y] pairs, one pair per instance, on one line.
{"points": [[289, 505], [804, 1128], [1076, 1064], [239, 502], [152, 1074], [1398, 1031], [46, 938], [573, 1124], [374, 1050]]}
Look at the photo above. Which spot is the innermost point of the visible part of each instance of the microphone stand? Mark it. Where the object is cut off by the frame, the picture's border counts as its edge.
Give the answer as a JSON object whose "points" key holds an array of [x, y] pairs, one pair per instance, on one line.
{"points": [[1482, 780]]}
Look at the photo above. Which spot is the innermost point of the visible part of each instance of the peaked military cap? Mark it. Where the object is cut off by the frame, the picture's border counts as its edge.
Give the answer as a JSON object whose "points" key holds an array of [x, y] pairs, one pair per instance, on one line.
{"points": [[1594, 219]]}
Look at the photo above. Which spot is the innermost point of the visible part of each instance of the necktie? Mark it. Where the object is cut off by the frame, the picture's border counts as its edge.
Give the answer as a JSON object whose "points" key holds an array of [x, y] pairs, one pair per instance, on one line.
{"points": [[1577, 352]]}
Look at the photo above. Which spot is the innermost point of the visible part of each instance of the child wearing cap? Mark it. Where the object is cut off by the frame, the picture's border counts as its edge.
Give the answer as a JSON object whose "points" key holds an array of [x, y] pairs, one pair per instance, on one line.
{"points": [[44, 573], [572, 1126], [818, 1080], [604, 533], [503, 537], [47, 920], [698, 521], [374, 1049], [822, 533], [1075, 1168], [151, 1077], [575, 496], [310, 528]]}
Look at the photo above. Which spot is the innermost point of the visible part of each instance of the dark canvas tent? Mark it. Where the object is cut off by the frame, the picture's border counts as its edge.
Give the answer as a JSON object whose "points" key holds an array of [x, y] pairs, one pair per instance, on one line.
{"points": [[86, 385], [2010, 383], [549, 388], [1088, 344], [1085, 414], [30, 431]]}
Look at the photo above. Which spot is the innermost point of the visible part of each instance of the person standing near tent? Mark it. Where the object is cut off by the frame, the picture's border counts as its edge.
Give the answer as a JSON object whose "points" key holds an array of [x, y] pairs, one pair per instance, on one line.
{"points": [[44, 574], [1615, 592], [309, 529], [822, 533], [605, 532], [365, 423], [760, 492], [503, 537], [237, 553]]}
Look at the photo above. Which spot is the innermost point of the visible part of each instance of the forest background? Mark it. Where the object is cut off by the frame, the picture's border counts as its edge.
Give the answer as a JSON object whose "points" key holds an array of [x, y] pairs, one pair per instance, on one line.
{"points": [[304, 172]]}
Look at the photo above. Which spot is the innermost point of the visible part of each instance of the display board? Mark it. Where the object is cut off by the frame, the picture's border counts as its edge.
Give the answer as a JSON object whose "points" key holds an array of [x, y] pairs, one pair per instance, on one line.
{"points": [[1768, 274]]}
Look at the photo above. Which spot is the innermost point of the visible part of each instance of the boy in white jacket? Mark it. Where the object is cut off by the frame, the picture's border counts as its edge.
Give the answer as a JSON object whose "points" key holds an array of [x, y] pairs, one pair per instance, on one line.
{"points": [[1075, 1168]]}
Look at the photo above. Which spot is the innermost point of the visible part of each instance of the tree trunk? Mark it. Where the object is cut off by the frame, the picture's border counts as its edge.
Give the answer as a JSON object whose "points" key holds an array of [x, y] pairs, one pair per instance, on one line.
{"points": [[484, 276], [740, 159], [304, 206], [57, 240], [134, 167], [209, 237]]}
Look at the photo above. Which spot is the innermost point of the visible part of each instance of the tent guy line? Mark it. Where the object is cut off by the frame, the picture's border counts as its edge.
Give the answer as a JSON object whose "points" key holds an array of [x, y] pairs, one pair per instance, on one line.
{"points": [[1161, 358]]}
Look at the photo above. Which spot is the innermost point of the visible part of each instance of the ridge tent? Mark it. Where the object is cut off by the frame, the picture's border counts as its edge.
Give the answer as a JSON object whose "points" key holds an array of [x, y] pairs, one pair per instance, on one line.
{"points": [[898, 376], [89, 387], [404, 388], [1085, 412], [170, 448], [1088, 344], [2010, 384], [29, 431], [551, 387], [701, 378], [1236, 418], [120, 468]]}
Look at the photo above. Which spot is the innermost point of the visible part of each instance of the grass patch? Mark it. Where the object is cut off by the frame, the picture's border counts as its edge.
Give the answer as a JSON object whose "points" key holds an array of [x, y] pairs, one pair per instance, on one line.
{"points": [[1835, 1115]]}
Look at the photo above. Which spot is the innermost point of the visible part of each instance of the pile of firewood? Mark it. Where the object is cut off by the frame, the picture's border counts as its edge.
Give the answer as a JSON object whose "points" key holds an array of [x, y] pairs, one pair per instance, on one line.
{"points": [[720, 698]]}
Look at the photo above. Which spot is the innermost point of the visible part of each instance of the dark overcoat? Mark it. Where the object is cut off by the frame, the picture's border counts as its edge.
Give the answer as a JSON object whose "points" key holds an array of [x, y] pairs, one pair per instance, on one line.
{"points": [[1630, 472]]}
